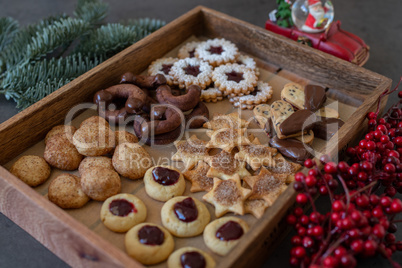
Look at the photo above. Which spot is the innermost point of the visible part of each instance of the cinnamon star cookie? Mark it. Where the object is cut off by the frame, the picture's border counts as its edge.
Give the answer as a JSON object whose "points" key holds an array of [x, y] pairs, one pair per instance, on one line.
{"points": [[256, 207], [256, 155], [199, 179], [190, 151], [284, 170], [220, 121], [224, 166]]}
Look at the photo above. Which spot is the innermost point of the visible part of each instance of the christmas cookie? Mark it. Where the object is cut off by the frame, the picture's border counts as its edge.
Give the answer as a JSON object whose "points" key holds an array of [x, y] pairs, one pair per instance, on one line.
{"points": [[227, 196], [262, 114], [149, 243], [163, 66], [191, 71], [223, 234], [220, 121], [100, 183], [121, 212], [327, 112], [262, 93], [314, 97], [190, 257], [293, 93], [249, 62], [227, 138], [224, 166], [61, 153], [97, 120], [256, 155], [65, 191], [234, 79], [61, 130], [164, 182], [31, 169], [199, 179], [256, 207], [131, 160], [217, 51], [190, 151], [95, 161], [280, 111], [284, 170], [188, 50], [184, 216], [211, 94], [123, 136]]}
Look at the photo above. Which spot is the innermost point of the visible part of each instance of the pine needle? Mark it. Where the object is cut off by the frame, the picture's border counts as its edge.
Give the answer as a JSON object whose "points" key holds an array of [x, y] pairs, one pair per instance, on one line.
{"points": [[8, 29], [91, 11]]}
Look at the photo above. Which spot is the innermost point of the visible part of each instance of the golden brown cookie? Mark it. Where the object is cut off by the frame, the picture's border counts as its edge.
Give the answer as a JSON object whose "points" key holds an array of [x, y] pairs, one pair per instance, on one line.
{"points": [[284, 170], [327, 112], [220, 121], [293, 93], [31, 169], [256, 207], [95, 161], [185, 216], [123, 136], [149, 243], [199, 179], [100, 183], [121, 212], [227, 138], [131, 160], [61, 153], [211, 94], [191, 71], [185, 257], [188, 50], [262, 93], [65, 191], [256, 155], [224, 166], [190, 151], [95, 120], [280, 111], [262, 114], [61, 130], [163, 66], [217, 51]]}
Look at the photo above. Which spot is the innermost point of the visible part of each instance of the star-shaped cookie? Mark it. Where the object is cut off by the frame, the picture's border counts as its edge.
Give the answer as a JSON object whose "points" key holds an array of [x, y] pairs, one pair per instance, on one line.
{"points": [[265, 186], [220, 121], [224, 166], [256, 207], [227, 138], [227, 195], [256, 155], [190, 151], [284, 169], [199, 179]]}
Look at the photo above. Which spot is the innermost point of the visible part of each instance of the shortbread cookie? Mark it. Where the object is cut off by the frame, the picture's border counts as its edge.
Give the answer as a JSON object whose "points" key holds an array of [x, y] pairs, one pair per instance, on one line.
{"points": [[188, 50], [199, 179], [217, 51], [61, 130], [31, 169], [249, 62], [265, 186], [121, 212], [65, 191], [224, 166], [190, 257], [164, 182], [293, 93], [221, 235], [163, 66], [191, 71], [327, 112], [123, 136], [61, 153], [184, 216], [95, 161], [131, 160], [100, 183], [211, 94], [234, 79], [231, 120], [256, 207], [262, 93], [256, 155], [227, 138], [190, 151], [284, 170], [227, 196], [262, 114], [149, 243]]}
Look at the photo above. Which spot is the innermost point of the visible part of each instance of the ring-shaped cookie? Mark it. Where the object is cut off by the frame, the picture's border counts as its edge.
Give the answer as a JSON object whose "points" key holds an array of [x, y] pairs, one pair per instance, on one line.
{"points": [[191, 71], [144, 81], [261, 94], [185, 216], [184, 102], [217, 51], [249, 62], [163, 66], [188, 255], [188, 50], [198, 116]]}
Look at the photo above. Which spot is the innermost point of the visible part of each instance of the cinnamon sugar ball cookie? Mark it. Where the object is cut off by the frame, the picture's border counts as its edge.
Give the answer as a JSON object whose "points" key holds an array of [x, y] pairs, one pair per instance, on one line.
{"points": [[99, 183], [31, 169], [188, 256], [185, 216], [188, 50], [65, 191], [191, 71], [95, 161], [131, 160], [121, 212], [95, 120], [217, 51], [61, 153], [149, 243], [61, 130], [163, 66], [123, 136], [164, 182], [223, 234]]}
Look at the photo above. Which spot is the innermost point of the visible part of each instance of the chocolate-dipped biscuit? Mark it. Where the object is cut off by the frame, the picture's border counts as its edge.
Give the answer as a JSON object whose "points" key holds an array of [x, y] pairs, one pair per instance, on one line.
{"points": [[314, 97], [325, 128], [292, 149], [299, 121]]}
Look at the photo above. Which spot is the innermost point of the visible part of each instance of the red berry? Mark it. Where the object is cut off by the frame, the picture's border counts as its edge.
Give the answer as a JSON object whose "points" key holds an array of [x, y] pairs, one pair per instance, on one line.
{"points": [[309, 163], [299, 252], [330, 168], [398, 245], [354, 233], [348, 261], [347, 224], [338, 206], [340, 251], [398, 141], [390, 238], [372, 115], [362, 144], [311, 181], [343, 166], [370, 247], [301, 231], [370, 145], [293, 261], [318, 230], [325, 159], [357, 246], [307, 242], [374, 199], [351, 151], [382, 121], [394, 153], [298, 211], [304, 220], [389, 168], [379, 231], [384, 139], [390, 191], [362, 176], [312, 172], [323, 190], [299, 176], [301, 198], [296, 240], [400, 94], [382, 128], [377, 212], [315, 217], [363, 201], [291, 219], [385, 201], [377, 134], [330, 262], [335, 216], [396, 206]]}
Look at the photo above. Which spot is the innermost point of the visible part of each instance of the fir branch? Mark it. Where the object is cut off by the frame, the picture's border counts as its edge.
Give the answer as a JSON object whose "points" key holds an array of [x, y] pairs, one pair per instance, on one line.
{"points": [[91, 11], [8, 29], [147, 24]]}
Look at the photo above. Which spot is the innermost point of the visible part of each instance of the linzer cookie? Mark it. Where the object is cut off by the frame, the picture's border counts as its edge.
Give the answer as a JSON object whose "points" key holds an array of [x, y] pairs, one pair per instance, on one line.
{"points": [[284, 170], [190, 151], [227, 138], [217, 51], [293, 149], [249, 62], [293, 93], [163, 66], [224, 166], [262, 93], [191, 71], [199, 179], [256, 155], [220, 121], [188, 50], [325, 128], [211, 94]]}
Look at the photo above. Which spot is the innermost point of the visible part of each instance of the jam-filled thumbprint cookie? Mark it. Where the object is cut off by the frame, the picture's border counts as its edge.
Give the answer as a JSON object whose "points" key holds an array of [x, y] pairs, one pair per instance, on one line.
{"points": [[149, 243], [121, 212], [190, 257]]}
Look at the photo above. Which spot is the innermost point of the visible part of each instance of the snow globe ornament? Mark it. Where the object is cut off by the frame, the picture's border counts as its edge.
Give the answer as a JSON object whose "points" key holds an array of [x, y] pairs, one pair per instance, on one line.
{"points": [[312, 16]]}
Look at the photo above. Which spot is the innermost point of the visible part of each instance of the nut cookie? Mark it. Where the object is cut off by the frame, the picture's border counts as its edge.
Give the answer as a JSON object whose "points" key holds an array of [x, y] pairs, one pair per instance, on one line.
{"points": [[100, 183], [61, 153], [61, 130], [31, 169], [95, 161], [123, 136]]}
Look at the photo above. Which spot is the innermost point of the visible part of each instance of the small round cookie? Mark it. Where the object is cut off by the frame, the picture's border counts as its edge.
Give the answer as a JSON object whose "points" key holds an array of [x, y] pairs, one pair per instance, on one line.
{"points": [[190, 257], [188, 50], [164, 182], [223, 234], [94, 139], [131, 160], [121, 212], [185, 216], [100, 183], [95, 161], [191, 71], [262, 93], [61, 130], [217, 51], [123, 136], [249, 62], [149, 243], [211, 94], [95, 120], [65, 191], [31, 169], [163, 66], [61, 153]]}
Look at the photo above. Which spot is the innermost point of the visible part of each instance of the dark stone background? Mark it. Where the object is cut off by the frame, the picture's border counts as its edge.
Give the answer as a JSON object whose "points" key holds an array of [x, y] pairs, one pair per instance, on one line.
{"points": [[376, 22]]}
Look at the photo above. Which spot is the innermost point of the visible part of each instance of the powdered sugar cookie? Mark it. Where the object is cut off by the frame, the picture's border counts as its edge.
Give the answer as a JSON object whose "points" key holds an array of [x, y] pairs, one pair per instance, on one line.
{"points": [[262, 93], [163, 66], [249, 62], [217, 51], [211, 94], [191, 71], [188, 50]]}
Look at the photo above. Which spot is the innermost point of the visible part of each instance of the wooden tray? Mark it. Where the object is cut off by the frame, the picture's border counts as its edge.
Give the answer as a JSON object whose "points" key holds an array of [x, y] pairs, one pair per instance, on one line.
{"points": [[354, 87]]}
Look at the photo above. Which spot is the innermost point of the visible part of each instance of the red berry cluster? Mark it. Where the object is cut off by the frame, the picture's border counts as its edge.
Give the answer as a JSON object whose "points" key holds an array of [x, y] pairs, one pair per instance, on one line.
{"points": [[361, 221]]}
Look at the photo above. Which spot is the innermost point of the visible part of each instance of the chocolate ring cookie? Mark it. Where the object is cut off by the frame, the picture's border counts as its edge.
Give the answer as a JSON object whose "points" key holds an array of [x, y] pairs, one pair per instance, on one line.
{"points": [[144, 81], [31, 169], [190, 257], [184, 102], [198, 116], [191, 71]]}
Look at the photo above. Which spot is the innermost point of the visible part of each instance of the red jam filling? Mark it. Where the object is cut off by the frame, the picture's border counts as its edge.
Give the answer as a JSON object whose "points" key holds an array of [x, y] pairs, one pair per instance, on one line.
{"points": [[191, 53], [165, 176], [166, 68], [121, 207], [256, 90], [235, 76], [192, 70], [229, 231], [215, 50], [186, 210], [151, 235], [192, 259]]}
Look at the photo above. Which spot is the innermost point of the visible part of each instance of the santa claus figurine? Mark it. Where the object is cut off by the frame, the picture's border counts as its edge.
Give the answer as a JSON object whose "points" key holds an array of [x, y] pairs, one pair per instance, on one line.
{"points": [[315, 21]]}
